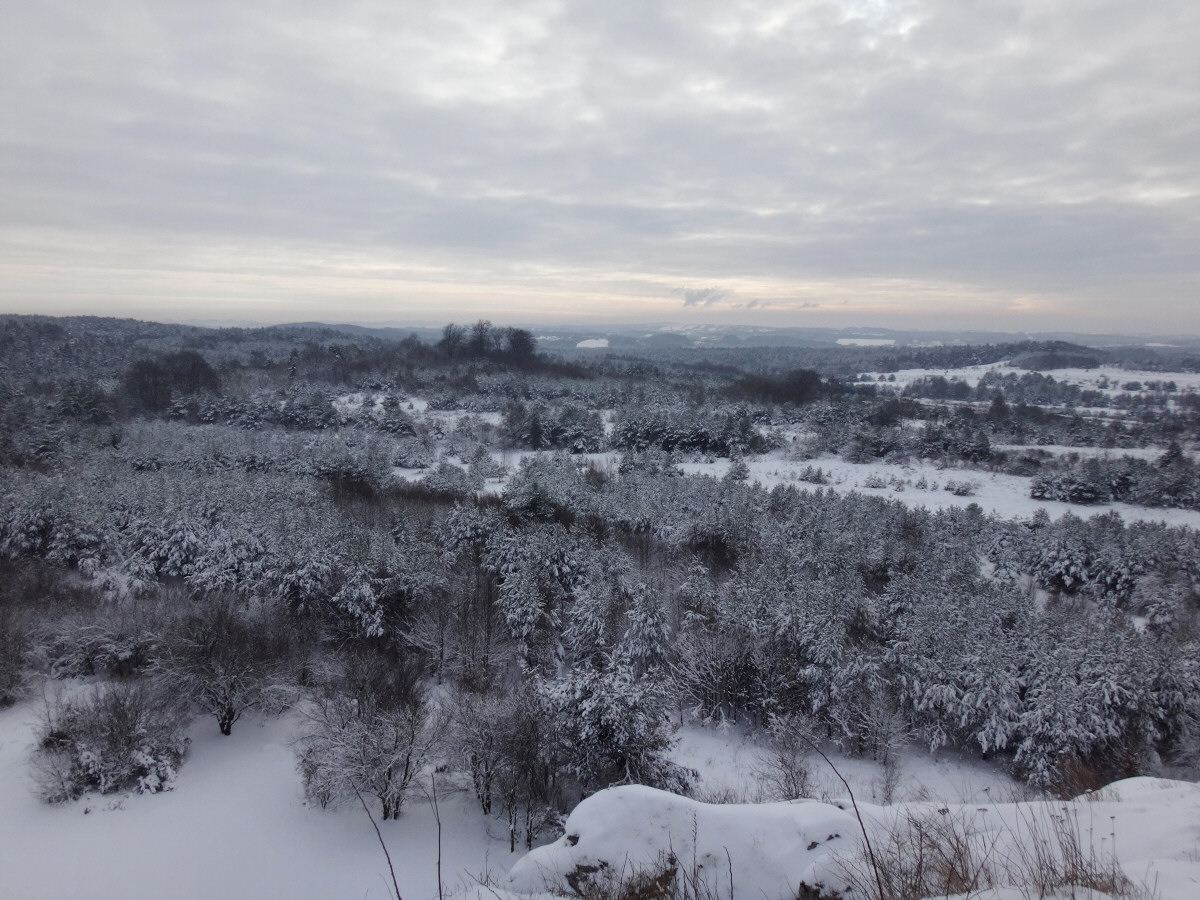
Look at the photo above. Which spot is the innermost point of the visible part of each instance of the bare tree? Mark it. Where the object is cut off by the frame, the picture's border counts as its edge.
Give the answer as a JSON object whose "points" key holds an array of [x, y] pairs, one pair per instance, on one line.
{"points": [[224, 661]]}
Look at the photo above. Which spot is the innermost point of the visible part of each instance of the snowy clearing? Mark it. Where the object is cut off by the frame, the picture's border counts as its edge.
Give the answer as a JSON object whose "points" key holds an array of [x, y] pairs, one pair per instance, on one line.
{"points": [[731, 764], [1006, 496], [1111, 377], [236, 823], [915, 483]]}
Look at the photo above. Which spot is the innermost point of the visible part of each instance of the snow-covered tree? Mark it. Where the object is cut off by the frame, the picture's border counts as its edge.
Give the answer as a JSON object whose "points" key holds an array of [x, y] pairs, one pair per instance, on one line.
{"points": [[223, 661], [369, 730], [612, 726]]}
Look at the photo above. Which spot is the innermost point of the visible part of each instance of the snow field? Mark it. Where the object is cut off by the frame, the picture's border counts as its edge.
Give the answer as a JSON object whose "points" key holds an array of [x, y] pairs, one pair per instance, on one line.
{"points": [[731, 762], [236, 823], [235, 826], [1006, 496], [1089, 379]]}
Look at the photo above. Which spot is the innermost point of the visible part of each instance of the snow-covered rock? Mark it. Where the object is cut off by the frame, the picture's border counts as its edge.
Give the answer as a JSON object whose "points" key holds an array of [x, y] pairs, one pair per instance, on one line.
{"points": [[764, 850], [1148, 827]]}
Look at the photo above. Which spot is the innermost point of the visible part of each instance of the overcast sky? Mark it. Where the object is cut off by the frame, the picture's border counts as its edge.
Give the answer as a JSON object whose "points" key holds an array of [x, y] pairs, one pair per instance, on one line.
{"points": [[1012, 164]]}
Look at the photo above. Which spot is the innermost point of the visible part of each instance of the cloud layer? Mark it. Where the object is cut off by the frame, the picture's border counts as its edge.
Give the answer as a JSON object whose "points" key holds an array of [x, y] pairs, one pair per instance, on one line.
{"points": [[1009, 163]]}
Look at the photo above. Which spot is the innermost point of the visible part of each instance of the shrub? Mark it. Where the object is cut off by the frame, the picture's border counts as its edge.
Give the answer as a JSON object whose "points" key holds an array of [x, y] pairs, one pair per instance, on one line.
{"points": [[738, 470], [452, 479], [412, 453], [784, 775], [614, 727], [961, 488], [814, 475], [508, 744], [114, 737], [369, 731], [1040, 852], [81, 647]]}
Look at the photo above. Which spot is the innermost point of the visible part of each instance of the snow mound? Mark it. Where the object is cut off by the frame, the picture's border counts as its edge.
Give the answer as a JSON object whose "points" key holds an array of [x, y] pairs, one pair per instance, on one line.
{"points": [[1148, 828], [765, 849]]}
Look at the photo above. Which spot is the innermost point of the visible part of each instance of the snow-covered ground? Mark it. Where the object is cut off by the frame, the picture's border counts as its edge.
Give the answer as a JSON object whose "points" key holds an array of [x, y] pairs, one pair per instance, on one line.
{"points": [[914, 483], [969, 374], [1111, 377], [998, 494], [732, 763], [1116, 378], [236, 823]]}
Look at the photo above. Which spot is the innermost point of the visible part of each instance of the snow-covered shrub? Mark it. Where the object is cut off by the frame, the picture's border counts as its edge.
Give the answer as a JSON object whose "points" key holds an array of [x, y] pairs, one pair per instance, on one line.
{"points": [[738, 470], [1068, 488], [1062, 560], [813, 475], [112, 737], [962, 488], [784, 775], [395, 420], [27, 525], [481, 465], [539, 568], [412, 453], [340, 592], [1098, 719], [546, 481], [468, 433], [369, 731], [453, 480], [119, 645], [231, 563], [537, 427], [722, 430], [713, 672]]}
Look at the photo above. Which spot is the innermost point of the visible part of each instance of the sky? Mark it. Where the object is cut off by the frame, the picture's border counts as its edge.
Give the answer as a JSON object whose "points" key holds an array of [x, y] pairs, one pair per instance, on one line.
{"points": [[1002, 164]]}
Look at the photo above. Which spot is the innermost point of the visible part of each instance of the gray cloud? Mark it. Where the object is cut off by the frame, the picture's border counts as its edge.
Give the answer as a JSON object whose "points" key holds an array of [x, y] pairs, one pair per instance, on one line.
{"points": [[702, 296], [1008, 146]]}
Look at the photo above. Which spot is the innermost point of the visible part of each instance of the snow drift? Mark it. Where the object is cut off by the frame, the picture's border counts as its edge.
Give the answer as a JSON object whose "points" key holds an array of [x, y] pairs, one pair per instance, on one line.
{"points": [[1145, 829], [763, 850]]}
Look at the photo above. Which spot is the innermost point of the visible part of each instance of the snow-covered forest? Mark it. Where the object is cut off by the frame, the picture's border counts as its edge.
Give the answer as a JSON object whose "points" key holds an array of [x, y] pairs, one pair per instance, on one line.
{"points": [[467, 565]]}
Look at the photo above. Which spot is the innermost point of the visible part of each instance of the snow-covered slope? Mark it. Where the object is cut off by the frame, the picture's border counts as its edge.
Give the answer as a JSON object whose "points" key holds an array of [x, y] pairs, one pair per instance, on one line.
{"points": [[235, 826]]}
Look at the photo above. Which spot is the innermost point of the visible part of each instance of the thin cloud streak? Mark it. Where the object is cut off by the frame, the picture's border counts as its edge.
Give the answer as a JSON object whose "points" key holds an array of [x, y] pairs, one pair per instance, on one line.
{"points": [[403, 160]]}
